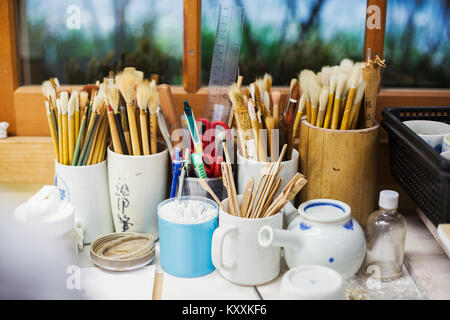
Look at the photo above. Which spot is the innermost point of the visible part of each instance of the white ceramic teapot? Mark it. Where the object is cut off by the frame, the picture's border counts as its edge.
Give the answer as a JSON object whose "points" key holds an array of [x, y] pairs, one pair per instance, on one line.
{"points": [[323, 234]]}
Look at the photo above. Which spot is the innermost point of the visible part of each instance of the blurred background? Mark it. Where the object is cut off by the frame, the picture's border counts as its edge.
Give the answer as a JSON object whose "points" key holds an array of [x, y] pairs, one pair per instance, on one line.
{"points": [[281, 37]]}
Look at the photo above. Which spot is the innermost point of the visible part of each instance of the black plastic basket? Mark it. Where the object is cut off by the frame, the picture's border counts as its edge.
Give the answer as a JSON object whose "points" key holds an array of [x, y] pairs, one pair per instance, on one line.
{"points": [[422, 172]]}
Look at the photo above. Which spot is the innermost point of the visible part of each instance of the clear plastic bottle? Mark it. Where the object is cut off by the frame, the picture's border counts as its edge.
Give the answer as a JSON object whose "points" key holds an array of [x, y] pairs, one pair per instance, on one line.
{"points": [[385, 236]]}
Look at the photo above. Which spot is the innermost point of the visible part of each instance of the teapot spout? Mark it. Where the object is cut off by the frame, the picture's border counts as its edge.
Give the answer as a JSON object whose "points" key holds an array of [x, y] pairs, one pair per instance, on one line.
{"points": [[268, 236]]}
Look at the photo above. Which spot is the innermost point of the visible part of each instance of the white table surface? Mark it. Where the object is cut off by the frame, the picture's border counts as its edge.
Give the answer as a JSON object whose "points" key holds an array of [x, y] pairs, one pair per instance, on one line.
{"points": [[426, 270]]}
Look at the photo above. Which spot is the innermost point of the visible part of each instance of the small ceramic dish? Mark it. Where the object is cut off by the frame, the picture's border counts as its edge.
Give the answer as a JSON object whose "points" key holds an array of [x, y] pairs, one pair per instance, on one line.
{"points": [[312, 282], [432, 132], [123, 251]]}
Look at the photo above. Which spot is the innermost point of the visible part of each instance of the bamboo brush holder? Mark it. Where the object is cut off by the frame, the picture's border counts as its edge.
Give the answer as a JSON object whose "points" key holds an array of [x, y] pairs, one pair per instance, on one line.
{"points": [[340, 165]]}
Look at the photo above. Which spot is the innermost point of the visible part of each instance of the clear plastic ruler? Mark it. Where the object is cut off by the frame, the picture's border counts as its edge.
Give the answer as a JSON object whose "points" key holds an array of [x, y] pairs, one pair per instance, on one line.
{"points": [[225, 61]]}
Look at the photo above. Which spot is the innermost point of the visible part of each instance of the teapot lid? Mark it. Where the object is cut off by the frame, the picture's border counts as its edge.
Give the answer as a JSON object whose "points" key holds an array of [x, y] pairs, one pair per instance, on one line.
{"points": [[325, 211]]}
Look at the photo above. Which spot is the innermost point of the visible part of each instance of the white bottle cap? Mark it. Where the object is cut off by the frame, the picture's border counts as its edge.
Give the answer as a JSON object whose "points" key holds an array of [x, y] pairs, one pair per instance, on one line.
{"points": [[388, 199]]}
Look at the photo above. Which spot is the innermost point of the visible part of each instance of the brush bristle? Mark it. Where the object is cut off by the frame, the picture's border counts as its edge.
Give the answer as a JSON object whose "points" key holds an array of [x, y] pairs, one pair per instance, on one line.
{"points": [[236, 97], [302, 103], [126, 81], [360, 92], [154, 98], [341, 82], [64, 100], [143, 93], [72, 104], [267, 100], [251, 110], [276, 97], [84, 99], [323, 101], [98, 101], [268, 81], [113, 96]]}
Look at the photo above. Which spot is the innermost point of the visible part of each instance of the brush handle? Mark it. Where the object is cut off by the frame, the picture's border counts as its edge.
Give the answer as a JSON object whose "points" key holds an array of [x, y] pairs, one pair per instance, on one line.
{"points": [[298, 118], [53, 134], [102, 131], [89, 142], [348, 108], [114, 133], [167, 106], [95, 135], [123, 142], [65, 134], [327, 121], [153, 133], [314, 113], [355, 118], [336, 111], [320, 118], [86, 140], [133, 130], [60, 139], [144, 133], [77, 124], [308, 111], [55, 123], [80, 137], [71, 139]]}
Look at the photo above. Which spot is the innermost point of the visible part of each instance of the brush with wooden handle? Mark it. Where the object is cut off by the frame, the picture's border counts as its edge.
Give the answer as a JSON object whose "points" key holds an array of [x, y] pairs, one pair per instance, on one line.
{"points": [[52, 130], [126, 83], [117, 134], [341, 81], [356, 108], [167, 106], [298, 117], [63, 100], [73, 101], [329, 112], [143, 94], [354, 82], [153, 104], [84, 99], [323, 103]]}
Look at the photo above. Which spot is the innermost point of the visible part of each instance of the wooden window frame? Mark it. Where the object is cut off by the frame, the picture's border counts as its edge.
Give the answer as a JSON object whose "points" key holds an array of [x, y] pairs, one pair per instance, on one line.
{"points": [[22, 106]]}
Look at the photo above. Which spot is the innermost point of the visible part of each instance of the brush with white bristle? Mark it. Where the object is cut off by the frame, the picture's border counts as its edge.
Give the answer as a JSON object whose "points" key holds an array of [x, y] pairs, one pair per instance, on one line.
{"points": [[341, 81], [305, 81], [60, 130], [300, 111], [255, 126], [267, 107], [77, 114], [113, 97], [332, 90], [356, 108], [153, 104], [354, 82], [325, 76], [63, 101], [72, 106], [126, 82], [84, 100], [314, 93], [143, 94], [323, 103]]}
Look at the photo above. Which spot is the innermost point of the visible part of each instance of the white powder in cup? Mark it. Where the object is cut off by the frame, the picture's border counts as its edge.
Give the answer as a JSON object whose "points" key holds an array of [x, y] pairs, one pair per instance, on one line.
{"points": [[187, 211]]}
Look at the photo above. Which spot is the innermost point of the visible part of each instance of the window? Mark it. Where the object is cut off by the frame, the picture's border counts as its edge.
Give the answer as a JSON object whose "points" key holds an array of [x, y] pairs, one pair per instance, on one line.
{"points": [[417, 47], [80, 41], [283, 37]]}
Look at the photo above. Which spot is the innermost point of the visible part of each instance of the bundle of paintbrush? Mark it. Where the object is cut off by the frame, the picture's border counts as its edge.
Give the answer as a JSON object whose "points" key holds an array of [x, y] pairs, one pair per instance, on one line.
{"points": [[332, 98], [260, 202], [132, 105], [262, 129], [77, 142]]}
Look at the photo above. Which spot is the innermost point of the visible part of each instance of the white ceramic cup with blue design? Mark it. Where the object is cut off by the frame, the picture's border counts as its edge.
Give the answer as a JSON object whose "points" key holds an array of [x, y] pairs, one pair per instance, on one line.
{"points": [[323, 233], [86, 189], [433, 132]]}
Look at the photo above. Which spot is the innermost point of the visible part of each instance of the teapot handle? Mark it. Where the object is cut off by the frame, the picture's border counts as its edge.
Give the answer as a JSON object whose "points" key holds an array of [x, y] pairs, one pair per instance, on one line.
{"points": [[290, 212]]}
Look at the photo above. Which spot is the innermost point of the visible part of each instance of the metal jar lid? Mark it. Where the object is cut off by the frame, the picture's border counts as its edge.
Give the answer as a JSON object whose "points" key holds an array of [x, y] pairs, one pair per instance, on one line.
{"points": [[123, 251]]}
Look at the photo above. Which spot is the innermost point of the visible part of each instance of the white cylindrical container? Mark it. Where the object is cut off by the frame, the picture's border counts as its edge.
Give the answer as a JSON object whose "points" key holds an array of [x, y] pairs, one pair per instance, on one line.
{"points": [[54, 221], [248, 169], [137, 185], [312, 283], [86, 188]]}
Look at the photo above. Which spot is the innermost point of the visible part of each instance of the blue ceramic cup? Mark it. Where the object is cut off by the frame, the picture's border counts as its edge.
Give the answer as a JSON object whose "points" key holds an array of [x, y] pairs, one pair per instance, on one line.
{"points": [[185, 249]]}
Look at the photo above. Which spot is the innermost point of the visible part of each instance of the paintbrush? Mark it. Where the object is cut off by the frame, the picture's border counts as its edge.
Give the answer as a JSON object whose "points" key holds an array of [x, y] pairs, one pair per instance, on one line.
{"points": [[143, 93], [243, 120], [323, 103], [72, 106], [111, 94], [63, 101], [356, 108], [329, 112], [298, 117], [354, 82], [83, 103], [153, 104], [52, 129], [341, 81], [255, 125], [113, 97], [276, 97], [126, 83], [289, 116]]}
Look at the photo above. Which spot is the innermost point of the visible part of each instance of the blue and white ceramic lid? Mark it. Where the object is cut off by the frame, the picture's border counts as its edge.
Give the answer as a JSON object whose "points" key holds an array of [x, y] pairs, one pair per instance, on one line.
{"points": [[325, 211]]}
